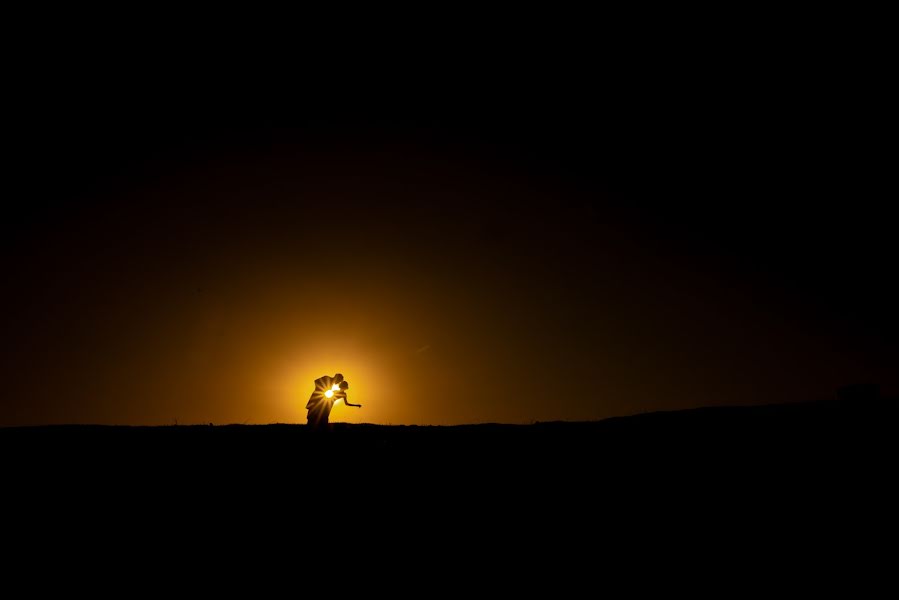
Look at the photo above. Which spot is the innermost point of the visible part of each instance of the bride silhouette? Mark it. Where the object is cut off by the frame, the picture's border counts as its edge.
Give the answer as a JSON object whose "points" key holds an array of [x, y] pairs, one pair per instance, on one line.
{"points": [[327, 391]]}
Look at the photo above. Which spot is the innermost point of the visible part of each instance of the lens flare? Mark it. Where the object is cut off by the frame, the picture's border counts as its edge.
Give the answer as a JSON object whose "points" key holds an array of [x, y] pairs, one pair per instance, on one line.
{"points": [[329, 394]]}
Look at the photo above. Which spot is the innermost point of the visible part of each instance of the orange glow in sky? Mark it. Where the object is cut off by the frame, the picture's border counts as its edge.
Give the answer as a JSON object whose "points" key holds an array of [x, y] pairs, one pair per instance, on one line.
{"points": [[446, 291]]}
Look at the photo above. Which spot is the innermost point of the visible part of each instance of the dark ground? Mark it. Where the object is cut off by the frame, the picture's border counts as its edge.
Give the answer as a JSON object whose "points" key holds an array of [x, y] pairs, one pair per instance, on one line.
{"points": [[840, 443], [750, 490]]}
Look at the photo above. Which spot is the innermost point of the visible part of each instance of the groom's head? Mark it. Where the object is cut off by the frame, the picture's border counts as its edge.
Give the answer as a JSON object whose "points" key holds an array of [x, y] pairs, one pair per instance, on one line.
{"points": [[338, 378]]}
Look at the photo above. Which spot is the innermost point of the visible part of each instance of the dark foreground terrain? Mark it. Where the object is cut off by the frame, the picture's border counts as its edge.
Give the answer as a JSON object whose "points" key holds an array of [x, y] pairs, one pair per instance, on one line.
{"points": [[760, 480], [825, 441]]}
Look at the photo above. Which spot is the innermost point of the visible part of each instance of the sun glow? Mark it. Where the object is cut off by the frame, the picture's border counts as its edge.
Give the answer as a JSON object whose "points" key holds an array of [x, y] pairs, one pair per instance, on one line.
{"points": [[294, 374]]}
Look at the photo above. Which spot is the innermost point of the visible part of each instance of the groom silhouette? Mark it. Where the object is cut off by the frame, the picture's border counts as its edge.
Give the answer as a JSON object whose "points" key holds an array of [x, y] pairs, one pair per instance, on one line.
{"points": [[323, 398]]}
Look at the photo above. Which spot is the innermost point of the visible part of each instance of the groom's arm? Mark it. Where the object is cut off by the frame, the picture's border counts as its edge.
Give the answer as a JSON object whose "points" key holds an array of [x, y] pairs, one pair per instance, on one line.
{"points": [[345, 401]]}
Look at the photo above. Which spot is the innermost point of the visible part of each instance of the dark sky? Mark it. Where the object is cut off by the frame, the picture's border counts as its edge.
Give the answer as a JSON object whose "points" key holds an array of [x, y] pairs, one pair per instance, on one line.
{"points": [[522, 242]]}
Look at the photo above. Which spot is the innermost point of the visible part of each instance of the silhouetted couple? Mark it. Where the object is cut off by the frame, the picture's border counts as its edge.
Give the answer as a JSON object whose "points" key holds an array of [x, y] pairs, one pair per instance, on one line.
{"points": [[327, 391]]}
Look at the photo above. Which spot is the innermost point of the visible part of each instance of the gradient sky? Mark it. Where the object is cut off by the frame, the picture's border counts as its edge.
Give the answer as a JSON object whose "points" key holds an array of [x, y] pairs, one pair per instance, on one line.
{"points": [[554, 260]]}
